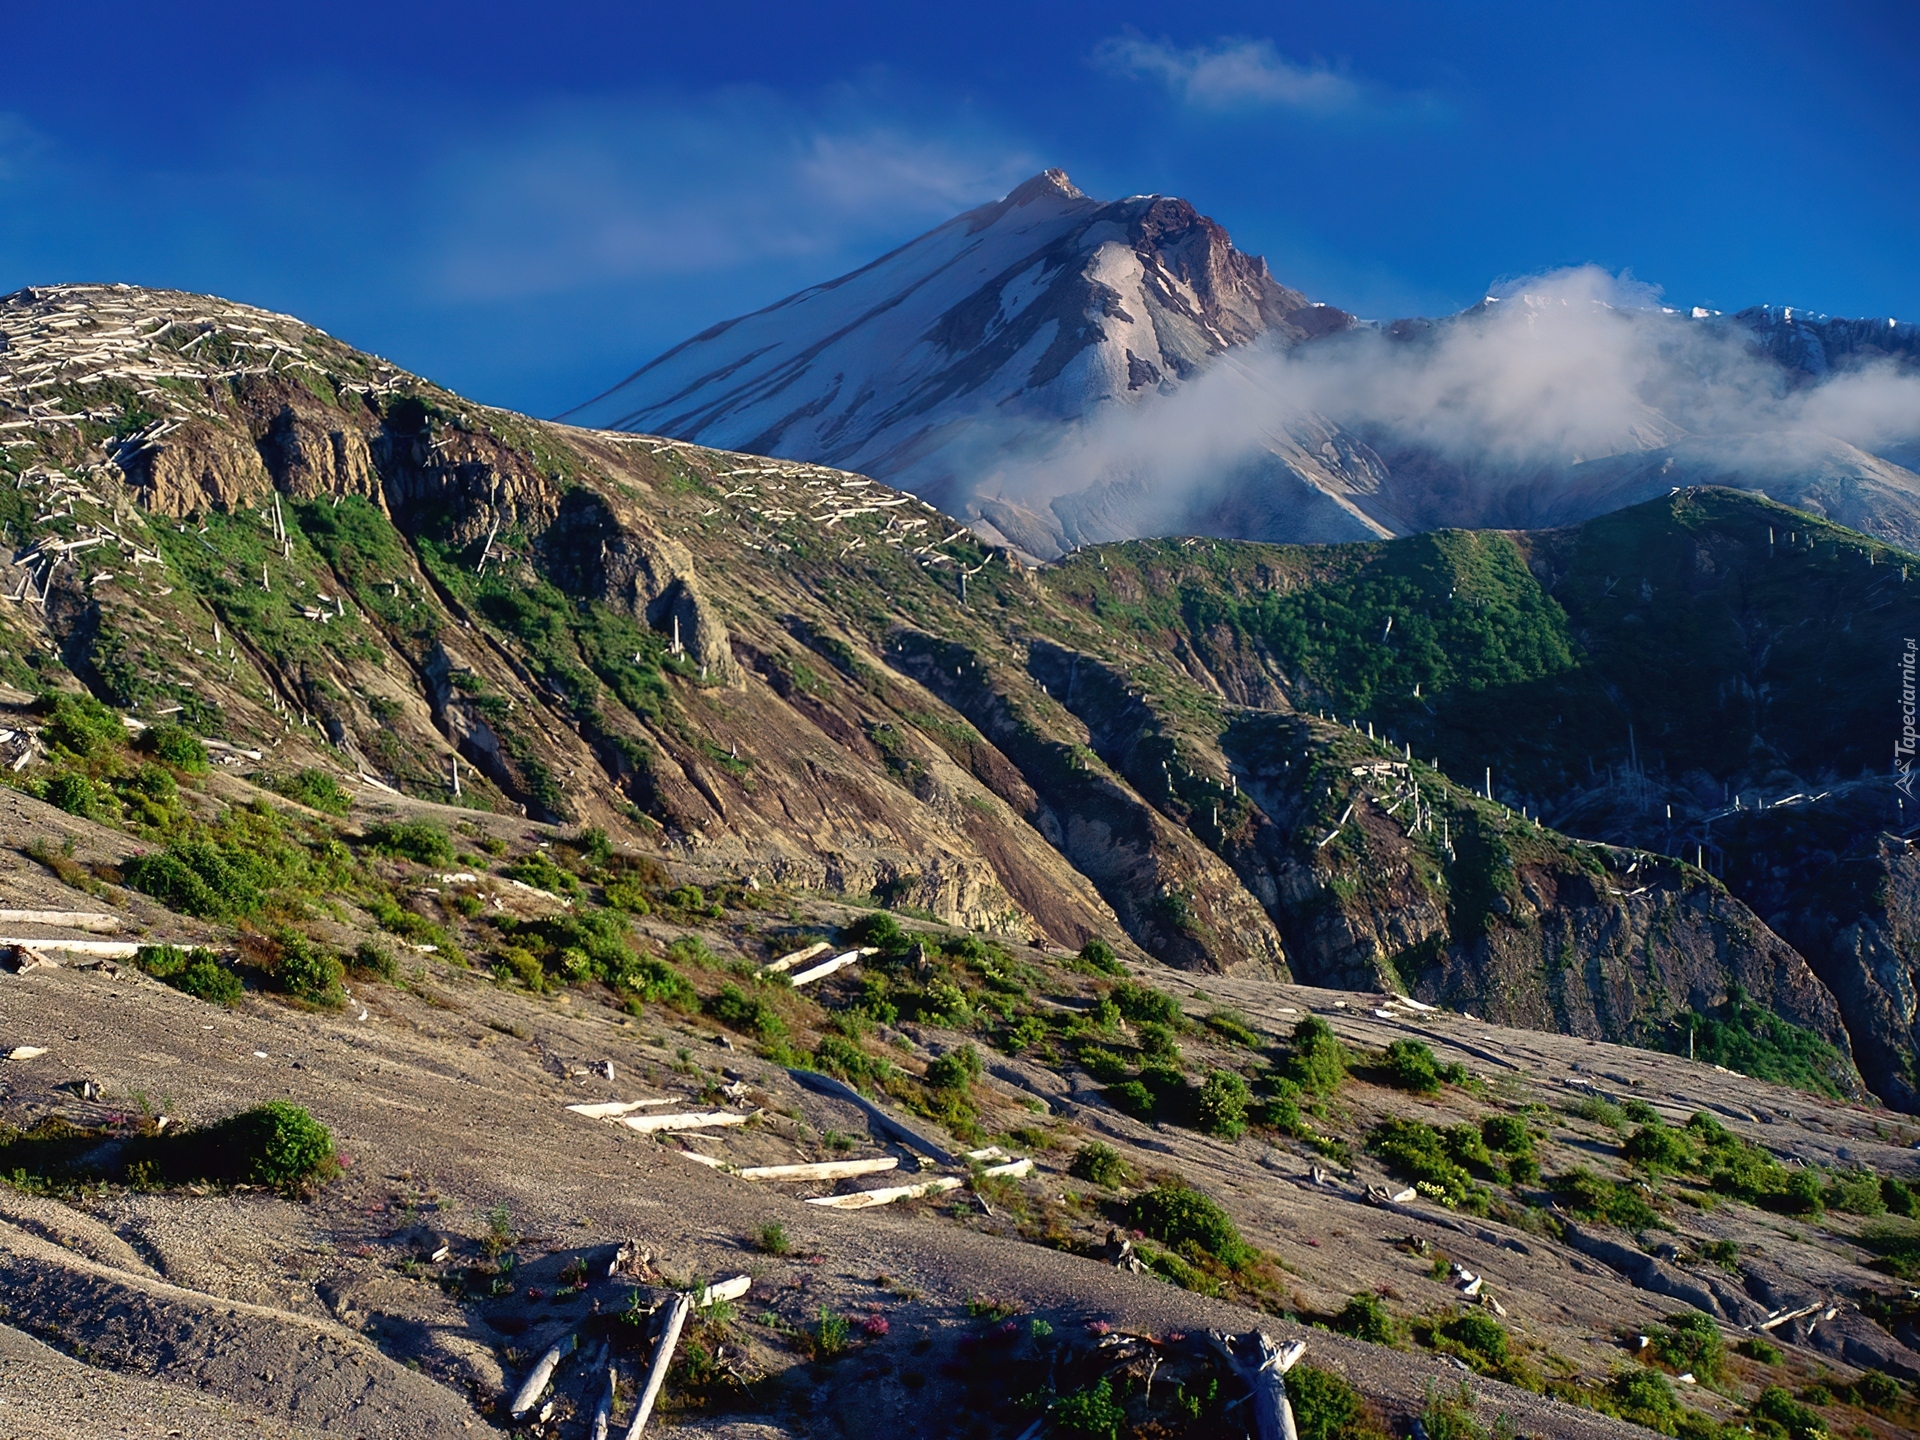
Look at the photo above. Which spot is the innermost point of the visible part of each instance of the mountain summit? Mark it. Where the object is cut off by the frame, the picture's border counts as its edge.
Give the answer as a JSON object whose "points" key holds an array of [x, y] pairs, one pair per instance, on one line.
{"points": [[1044, 306]]}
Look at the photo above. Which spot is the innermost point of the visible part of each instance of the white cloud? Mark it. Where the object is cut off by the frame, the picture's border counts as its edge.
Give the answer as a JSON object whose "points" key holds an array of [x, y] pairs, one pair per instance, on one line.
{"points": [[1232, 73]]}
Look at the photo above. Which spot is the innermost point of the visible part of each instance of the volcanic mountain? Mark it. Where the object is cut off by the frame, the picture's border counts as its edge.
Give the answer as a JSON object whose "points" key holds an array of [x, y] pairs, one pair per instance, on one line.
{"points": [[1062, 371]]}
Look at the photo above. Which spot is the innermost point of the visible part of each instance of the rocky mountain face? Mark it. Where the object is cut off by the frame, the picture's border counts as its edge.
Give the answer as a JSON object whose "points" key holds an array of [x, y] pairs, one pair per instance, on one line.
{"points": [[1044, 306], [227, 520], [1060, 372]]}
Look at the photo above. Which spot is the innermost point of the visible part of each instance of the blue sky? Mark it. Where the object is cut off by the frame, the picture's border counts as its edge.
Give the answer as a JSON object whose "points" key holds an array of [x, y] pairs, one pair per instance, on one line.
{"points": [[525, 202]]}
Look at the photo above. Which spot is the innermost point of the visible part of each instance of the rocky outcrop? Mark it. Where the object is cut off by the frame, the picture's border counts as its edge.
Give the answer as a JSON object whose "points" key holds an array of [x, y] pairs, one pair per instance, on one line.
{"points": [[196, 468], [314, 454]]}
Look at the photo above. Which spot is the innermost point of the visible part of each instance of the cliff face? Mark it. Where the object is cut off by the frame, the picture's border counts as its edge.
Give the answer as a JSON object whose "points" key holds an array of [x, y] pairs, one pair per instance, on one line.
{"points": [[229, 519]]}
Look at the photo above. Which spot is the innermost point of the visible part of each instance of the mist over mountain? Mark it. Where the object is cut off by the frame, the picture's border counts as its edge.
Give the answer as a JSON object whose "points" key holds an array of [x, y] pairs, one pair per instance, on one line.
{"points": [[1063, 371]]}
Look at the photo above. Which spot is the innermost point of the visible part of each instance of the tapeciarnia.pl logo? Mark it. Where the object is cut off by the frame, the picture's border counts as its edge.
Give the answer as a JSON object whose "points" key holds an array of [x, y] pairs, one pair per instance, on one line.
{"points": [[1904, 748]]}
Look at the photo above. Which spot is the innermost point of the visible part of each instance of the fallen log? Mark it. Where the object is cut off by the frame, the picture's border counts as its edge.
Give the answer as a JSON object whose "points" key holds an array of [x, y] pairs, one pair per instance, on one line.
{"points": [[662, 1361], [867, 1199], [820, 1170], [1264, 1374], [538, 1377], [1013, 1169], [603, 1412], [723, 1290], [829, 967], [98, 923], [607, 1109], [787, 962], [110, 949], [691, 1120], [827, 1085]]}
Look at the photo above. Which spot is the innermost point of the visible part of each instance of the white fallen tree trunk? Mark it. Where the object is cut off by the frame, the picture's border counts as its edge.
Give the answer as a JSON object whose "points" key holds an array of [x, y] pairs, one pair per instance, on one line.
{"points": [[787, 962], [723, 1290], [829, 967], [820, 1170], [867, 1199], [662, 1362], [106, 949], [607, 1109], [1263, 1366], [827, 1085], [692, 1120], [92, 920], [1013, 1169], [538, 1377], [603, 1412]]}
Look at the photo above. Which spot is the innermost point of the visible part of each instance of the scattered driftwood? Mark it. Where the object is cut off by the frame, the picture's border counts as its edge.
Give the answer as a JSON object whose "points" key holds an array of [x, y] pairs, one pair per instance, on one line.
{"points": [[663, 1350], [607, 1109], [538, 1377], [787, 962], [691, 1120], [827, 1085], [1013, 1169], [1778, 1320], [1264, 1371], [70, 919], [820, 1170], [867, 1199]]}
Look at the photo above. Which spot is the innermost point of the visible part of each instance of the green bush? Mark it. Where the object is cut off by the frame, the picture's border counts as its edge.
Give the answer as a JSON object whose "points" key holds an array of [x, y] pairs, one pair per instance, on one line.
{"points": [[74, 793], [1144, 1004], [1657, 1147], [1157, 1042], [1645, 1397], [1327, 1407], [1133, 1098], [308, 971], [1692, 1342], [1092, 1412], [1600, 1112], [1775, 1406], [955, 1070], [420, 841], [276, 1144], [316, 789], [1506, 1135], [1420, 1153], [1478, 1339], [750, 1014], [1365, 1318], [1594, 1197], [1101, 1165], [203, 878], [1761, 1350], [1221, 1109], [1232, 1028], [1412, 1066], [197, 972], [372, 961], [1755, 1041], [175, 746], [1900, 1198], [1100, 955], [1189, 1222], [1102, 1064], [1855, 1192], [1317, 1061], [80, 726], [1640, 1112]]}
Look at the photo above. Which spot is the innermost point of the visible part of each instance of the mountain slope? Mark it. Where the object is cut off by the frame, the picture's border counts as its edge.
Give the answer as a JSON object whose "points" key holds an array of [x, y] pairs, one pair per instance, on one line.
{"points": [[1045, 306]]}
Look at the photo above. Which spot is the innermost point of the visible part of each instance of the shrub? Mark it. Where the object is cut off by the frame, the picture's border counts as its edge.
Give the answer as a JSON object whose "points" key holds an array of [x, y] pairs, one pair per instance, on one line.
{"points": [[1640, 1112], [1411, 1066], [1326, 1407], [1318, 1061], [317, 790], [197, 972], [1899, 1198], [74, 793], [1856, 1192], [1222, 1106], [1761, 1350], [1646, 1398], [372, 961], [772, 1239], [1600, 1112], [276, 1144], [750, 1014], [81, 726], [420, 841], [1419, 1153], [308, 971], [1092, 1411], [203, 878], [1231, 1027], [830, 1334], [1133, 1098], [1692, 1342], [172, 745], [1655, 1147], [630, 896], [1102, 1064], [880, 930], [1157, 1042], [1776, 1405], [1101, 1165], [1142, 1003], [1100, 955], [1506, 1135], [1480, 1340], [955, 1070], [1365, 1318], [1594, 1197], [1179, 1216]]}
